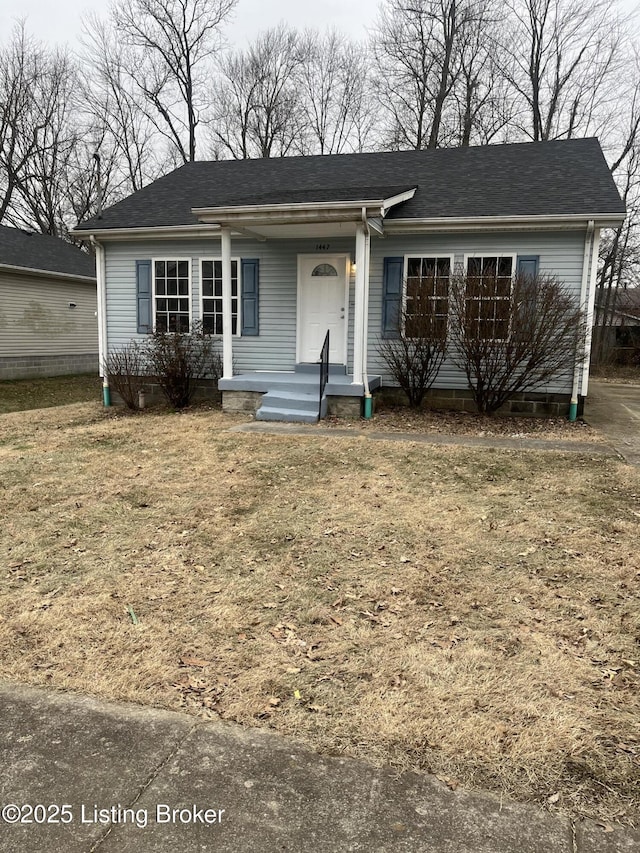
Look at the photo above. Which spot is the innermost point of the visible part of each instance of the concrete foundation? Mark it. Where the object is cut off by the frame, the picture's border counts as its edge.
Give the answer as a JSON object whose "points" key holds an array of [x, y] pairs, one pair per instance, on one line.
{"points": [[529, 403], [30, 366]]}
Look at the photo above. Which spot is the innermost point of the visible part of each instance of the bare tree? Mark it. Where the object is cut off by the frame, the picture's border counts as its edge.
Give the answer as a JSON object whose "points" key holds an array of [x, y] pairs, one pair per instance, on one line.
{"points": [[563, 57], [22, 117], [115, 109], [416, 45], [484, 106], [334, 86], [512, 336], [257, 110], [171, 42]]}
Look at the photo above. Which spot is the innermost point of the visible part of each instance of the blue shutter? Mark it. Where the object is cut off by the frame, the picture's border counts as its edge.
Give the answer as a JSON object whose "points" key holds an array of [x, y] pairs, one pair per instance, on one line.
{"points": [[250, 284], [527, 265], [392, 278], [144, 297]]}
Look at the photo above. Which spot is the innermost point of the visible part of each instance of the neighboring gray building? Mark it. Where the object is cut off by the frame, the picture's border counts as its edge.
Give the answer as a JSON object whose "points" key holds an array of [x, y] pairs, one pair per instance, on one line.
{"points": [[48, 306], [272, 253]]}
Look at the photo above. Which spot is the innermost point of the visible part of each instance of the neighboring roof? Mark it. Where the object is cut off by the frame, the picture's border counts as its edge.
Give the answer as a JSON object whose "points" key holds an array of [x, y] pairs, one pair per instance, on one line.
{"points": [[35, 251], [568, 177]]}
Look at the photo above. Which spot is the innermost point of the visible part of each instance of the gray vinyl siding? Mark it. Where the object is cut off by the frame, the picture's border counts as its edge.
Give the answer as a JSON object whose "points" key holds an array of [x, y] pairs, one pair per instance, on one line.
{"points": [[275, 347], [561, 254], [36, 320]]}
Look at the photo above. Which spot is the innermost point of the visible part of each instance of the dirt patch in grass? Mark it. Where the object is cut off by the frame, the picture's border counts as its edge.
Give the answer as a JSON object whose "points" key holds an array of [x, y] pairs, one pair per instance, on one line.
{"points": [[472, 613], [22, 394]]}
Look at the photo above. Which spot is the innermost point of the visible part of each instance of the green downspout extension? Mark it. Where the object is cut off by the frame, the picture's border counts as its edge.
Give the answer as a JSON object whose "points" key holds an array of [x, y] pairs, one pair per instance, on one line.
{"points": [[106, 393], [573, 410], [368, 406]]}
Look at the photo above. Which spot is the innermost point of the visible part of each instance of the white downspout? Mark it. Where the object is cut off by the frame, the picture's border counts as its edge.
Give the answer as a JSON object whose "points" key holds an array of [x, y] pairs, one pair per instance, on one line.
{"points": [[584, 386], [103, 350], [577, 369]]}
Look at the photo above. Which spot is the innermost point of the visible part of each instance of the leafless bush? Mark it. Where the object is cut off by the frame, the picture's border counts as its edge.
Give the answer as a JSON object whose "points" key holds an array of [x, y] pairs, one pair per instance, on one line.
{"points": [[127, 369], [510, 336], [416, 352], [178, 360]]}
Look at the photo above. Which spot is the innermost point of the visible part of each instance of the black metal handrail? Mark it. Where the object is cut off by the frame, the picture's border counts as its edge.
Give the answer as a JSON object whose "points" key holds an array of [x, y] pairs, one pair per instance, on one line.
{"points": [[324, 370]]}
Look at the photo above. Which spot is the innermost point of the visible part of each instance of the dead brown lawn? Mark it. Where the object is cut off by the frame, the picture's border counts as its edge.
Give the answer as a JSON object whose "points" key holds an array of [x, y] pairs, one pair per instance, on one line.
{"points": [[468, 612]]}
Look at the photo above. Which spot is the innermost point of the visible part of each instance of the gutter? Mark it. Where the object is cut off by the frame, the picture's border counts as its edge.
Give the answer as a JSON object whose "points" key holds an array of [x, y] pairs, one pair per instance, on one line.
{"points": [[483, 223], [588, 243], [81, 279], [101, 271]]}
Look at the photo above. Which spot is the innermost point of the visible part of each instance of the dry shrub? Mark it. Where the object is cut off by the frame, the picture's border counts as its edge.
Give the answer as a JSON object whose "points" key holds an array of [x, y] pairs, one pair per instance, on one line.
{"points": [[178, 360], [513, 336], [128, 369]]}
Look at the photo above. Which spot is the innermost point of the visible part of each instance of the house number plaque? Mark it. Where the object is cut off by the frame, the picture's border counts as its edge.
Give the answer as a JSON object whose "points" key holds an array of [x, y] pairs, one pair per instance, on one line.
{"points": [[322, 247]]}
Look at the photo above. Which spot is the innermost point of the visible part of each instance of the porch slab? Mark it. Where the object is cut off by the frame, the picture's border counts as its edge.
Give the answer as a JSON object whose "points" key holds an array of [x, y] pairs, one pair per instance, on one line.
{"points": [[262, 381]]}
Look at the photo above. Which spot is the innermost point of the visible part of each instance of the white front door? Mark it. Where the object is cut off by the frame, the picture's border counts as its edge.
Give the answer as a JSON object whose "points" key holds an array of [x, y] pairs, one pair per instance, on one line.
{"points": [[323, 300]]}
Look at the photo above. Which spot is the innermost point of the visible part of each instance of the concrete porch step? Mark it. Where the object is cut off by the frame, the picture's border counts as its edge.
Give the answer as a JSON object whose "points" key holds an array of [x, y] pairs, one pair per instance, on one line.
{"points": [[294, 406], [278, 399], [303, 416], [314, 368]]}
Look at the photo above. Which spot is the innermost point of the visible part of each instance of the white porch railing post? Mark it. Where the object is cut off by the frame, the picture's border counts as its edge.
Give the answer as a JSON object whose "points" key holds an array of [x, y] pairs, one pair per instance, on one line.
{"points": [[227, 329], [358, 319]]}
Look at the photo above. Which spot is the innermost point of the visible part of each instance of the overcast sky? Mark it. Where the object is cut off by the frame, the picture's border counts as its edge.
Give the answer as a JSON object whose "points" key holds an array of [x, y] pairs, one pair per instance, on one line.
{"points": [[61, 20]]}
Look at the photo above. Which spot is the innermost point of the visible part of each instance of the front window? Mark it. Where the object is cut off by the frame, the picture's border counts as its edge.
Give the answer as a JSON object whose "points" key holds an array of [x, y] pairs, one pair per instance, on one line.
{"points": [[427, 296], [171, 283], [488, 295], [211, 283]]}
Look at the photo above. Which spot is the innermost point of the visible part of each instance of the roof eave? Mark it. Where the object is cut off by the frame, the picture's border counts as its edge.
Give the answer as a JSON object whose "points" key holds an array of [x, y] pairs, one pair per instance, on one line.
{"points": [[81, 279], [504, 223], [151, 231]]}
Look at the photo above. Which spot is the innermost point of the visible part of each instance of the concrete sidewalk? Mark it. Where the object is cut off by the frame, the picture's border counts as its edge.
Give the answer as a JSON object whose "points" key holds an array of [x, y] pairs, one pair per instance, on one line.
{"points": [[112, 775], [587, 448]]}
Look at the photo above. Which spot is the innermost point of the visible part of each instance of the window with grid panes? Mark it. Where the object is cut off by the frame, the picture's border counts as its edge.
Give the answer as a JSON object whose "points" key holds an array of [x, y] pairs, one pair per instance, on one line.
{"points": [[427, 296], [211, 283], [171, 288], [488, 297]]}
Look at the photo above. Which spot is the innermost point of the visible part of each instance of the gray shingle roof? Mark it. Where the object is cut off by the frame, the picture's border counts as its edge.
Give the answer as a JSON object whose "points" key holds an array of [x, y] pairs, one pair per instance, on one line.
{"points": [[525, 179], [42, 252]]}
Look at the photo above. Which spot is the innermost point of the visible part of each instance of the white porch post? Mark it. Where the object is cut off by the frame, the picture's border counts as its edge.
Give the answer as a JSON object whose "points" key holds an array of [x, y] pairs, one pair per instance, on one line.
{"points": [[227, 336], [359, 331]]}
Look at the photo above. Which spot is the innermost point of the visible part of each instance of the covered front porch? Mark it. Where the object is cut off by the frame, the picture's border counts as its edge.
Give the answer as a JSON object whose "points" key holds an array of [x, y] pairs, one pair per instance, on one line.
{"points": [[324, 304]]}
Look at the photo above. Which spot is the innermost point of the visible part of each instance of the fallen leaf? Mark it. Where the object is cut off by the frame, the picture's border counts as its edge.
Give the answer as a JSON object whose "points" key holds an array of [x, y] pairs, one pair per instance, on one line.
{"points": [[553, 798]]}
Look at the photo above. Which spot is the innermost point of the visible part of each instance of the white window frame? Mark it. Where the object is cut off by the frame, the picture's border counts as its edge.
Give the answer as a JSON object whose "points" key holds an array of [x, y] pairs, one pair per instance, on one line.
{"points": [[238, 261], [495, 254], [166, 259], [405, 275]]}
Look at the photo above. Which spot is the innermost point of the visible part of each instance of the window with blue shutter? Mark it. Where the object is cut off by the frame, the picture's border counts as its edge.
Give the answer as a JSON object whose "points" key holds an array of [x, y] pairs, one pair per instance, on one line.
{"points": [[250, 302], [392, 279], [528, 265], [144, 297]]}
